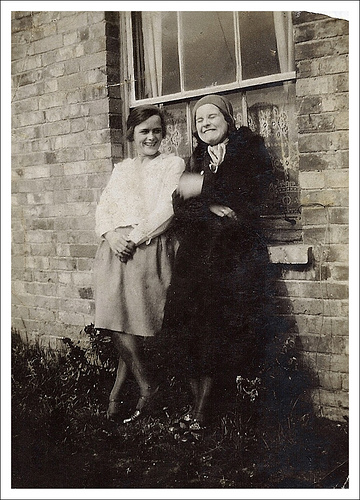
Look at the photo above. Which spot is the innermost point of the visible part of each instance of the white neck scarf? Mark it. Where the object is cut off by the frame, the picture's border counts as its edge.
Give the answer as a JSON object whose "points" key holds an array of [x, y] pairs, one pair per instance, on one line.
{"points": [[217, 155]]}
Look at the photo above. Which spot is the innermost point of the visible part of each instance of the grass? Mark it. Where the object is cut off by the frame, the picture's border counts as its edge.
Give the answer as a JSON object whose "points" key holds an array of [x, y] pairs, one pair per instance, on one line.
{"points": [[61, 438]]}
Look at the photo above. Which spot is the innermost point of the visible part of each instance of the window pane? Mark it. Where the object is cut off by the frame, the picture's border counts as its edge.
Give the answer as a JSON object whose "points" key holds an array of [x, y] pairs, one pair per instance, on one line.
{"points": [[170, 53], [209, 49], [156, 56], [259, 55]]}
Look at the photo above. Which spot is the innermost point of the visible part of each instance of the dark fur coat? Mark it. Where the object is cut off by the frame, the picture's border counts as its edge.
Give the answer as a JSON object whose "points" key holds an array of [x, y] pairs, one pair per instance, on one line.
{"points": [[218, 289]]}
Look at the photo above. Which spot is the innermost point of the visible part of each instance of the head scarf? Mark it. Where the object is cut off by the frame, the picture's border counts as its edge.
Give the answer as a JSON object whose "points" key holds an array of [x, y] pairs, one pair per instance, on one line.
{"points": [[222, 103]]}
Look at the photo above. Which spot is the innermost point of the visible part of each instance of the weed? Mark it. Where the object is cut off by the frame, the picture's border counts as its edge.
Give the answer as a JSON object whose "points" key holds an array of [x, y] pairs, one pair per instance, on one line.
{"points": [[61, 439]]}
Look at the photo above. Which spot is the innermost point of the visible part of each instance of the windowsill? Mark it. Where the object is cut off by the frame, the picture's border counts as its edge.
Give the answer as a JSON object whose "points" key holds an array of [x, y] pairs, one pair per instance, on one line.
{"points": [[290, 254]]}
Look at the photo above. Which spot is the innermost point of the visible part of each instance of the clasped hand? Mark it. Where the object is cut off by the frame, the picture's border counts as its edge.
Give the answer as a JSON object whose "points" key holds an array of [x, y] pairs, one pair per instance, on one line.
{"points": [[223, 211], [190, 185], [123, 249]]}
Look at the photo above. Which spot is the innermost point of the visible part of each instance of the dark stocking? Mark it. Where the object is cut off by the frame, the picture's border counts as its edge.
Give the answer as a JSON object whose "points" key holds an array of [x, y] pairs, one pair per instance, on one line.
{"points": [[127, 345], [121, 373], [204, 388]]}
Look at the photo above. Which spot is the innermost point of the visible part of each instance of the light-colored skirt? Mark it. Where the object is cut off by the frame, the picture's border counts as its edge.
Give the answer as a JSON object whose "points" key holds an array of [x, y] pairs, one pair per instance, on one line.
{"points": [[130, 297]]}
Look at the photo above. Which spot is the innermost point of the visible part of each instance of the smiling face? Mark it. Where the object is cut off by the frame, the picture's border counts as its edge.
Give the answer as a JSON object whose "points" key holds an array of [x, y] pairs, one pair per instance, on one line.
{"points": [[148, 136], [211, 125]]}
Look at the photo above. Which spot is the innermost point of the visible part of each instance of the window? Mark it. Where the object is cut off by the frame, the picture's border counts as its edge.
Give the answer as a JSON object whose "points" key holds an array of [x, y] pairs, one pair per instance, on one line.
{"points": [[182, 54], [174, 58]]}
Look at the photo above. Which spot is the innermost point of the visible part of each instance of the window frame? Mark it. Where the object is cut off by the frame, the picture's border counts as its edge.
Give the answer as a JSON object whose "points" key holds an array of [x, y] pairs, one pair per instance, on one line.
{"points": [[184, 95]]}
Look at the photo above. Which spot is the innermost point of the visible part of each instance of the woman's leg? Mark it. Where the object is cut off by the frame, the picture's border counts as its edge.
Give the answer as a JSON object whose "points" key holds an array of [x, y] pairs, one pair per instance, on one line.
{"points": [[121, 373], [204, 389], [208, 349], [127, 345], [194, 385], [114, 406], [200, 382]]}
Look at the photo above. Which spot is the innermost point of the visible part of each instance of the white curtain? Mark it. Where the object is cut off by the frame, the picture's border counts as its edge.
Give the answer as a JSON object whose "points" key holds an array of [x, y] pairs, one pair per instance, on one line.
{"points": [[284, 40], [151, 26]]}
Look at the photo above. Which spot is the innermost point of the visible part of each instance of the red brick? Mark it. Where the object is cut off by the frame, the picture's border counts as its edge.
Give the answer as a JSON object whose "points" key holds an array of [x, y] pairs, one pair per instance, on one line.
{"points": [[26, 119], [337, 178], [312, 180], [326, 325], [311, 162], [83, 250], [345, 381], [337, 399], [42, 314], [310, 50], [72, 22], [339, 234], [93, 61], [81, 306], [340, 273], [314, 216], [316, 123], [73, 81], [335, 102], [46, 44], [328, 197], [333, 64], [314, 235], [56, 128], [309, 143], [342, 120], [339, 253], [85, 264], [331, 381], [319, 29], [329, 362]]}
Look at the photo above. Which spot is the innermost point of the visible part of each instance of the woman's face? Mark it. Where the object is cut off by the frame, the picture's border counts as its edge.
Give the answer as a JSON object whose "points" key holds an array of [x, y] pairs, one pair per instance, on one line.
{"points": [[211, 125], [148, 136]]}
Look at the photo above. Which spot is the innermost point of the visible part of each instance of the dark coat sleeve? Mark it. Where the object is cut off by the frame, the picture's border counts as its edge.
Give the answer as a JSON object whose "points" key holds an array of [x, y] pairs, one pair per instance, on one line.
{"points": [[241, 183]]}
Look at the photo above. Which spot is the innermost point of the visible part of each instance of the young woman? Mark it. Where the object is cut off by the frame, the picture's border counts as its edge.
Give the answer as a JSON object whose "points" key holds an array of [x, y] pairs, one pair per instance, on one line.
{"points": [[134, 260], [215, 299]]}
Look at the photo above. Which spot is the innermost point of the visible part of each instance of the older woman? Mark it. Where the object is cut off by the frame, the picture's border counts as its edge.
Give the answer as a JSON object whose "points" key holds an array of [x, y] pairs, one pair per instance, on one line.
{"points": [[134, 260], [215, 298]]}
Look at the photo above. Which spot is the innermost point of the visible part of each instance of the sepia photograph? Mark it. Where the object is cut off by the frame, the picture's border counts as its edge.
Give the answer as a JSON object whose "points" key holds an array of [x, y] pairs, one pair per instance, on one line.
{"points": [[179, 250]]}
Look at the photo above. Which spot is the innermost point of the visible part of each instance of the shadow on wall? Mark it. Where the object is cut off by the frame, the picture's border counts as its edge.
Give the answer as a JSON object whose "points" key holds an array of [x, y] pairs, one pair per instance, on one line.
{"points": [[277, 385], [287, 377]]}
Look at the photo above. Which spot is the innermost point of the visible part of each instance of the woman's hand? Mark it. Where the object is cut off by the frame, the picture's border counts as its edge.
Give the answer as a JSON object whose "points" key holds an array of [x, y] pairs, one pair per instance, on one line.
{"points": [[223, 211], [123, 249], [190, 185]]}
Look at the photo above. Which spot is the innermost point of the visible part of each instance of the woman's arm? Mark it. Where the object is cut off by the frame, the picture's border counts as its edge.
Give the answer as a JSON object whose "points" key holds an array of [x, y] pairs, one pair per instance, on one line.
{"points": [[159, 219], [107, 207]]}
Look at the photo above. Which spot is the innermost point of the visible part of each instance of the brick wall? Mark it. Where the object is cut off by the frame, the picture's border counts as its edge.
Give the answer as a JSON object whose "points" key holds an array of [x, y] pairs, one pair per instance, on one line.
{"points": [[65, 94], [319, 296], [67, 130]]}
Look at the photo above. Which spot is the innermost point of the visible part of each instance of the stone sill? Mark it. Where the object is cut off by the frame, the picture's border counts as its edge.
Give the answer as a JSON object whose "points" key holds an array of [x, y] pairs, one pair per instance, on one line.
{"points": [[290, 254]]}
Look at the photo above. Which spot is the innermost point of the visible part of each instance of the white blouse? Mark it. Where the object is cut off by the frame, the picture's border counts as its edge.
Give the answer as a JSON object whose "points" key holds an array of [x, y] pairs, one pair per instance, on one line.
{"points": [[139, 196]]}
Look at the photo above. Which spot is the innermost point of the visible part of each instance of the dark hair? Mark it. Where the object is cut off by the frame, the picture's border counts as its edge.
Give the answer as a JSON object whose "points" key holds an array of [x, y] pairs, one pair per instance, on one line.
{"points": [[140, 114]]}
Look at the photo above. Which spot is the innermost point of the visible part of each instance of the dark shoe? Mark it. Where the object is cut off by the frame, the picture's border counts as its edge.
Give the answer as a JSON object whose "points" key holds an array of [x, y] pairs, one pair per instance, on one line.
{"points": [[132, 417], [141, 407], [114, 409], [198, 419]]}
